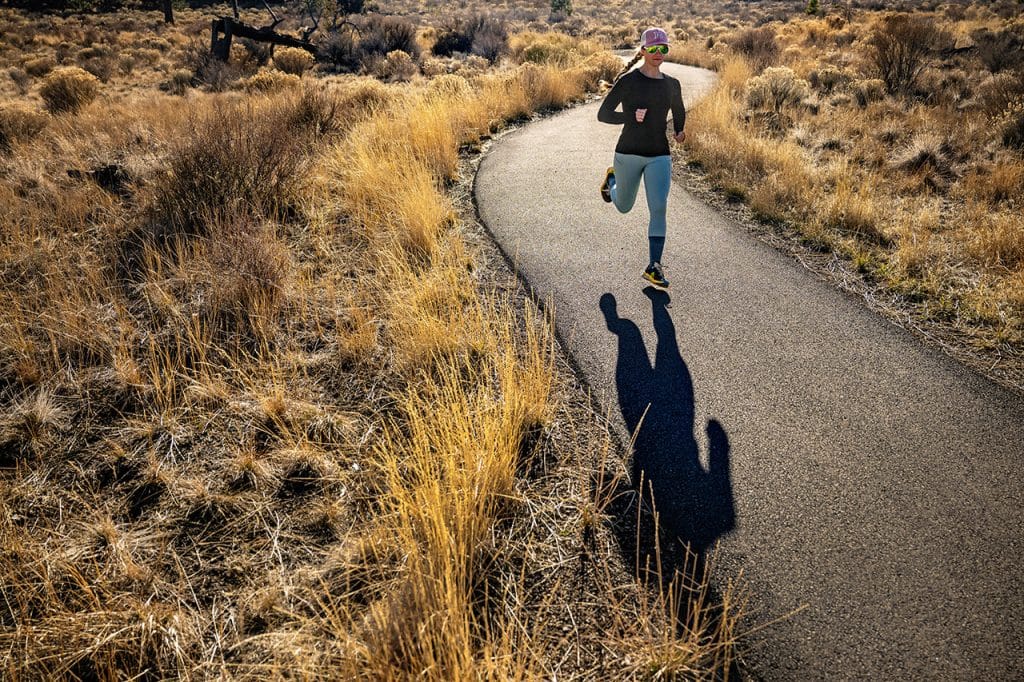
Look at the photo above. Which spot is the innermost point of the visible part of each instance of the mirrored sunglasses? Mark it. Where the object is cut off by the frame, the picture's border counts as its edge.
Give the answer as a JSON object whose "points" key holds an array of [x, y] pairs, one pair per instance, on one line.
{"points": [[656, 48]]}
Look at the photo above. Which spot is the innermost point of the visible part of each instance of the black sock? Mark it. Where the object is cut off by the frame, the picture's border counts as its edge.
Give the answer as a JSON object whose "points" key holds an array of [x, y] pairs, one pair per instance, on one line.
{"points": [[657, 247]]}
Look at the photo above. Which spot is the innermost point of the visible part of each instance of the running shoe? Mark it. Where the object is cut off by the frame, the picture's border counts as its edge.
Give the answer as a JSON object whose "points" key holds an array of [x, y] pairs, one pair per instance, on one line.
{"points": [[654, 275], [606, 186]]}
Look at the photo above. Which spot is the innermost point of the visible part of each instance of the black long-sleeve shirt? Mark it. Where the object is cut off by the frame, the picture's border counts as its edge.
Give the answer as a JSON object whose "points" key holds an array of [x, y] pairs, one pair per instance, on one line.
{"points": [[637, 91]]}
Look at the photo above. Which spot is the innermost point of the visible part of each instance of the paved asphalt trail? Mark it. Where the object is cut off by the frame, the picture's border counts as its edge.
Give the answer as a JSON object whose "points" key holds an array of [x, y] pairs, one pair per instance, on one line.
{"points": [[840, 463]]}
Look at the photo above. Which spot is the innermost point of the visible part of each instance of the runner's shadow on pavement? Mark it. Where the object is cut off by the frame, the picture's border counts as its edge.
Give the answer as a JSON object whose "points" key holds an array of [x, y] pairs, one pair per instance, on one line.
{"points": [[694, 505]]}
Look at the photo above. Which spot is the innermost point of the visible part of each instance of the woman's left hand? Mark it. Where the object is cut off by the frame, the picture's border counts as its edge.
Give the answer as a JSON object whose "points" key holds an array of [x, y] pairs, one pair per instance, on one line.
{"points": [[680, 136]]}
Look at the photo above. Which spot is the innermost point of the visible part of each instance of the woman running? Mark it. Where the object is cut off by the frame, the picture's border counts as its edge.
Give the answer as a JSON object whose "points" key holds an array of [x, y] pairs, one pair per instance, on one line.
{"points": [[646, 95]]}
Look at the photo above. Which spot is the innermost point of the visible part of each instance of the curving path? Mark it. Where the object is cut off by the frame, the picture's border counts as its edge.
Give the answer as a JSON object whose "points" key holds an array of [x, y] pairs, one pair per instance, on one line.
{"points": [[840, 463]]}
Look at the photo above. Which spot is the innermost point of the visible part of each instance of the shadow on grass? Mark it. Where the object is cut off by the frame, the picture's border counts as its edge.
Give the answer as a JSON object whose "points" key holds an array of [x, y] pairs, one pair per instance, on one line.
{"points": [[669, 516]]}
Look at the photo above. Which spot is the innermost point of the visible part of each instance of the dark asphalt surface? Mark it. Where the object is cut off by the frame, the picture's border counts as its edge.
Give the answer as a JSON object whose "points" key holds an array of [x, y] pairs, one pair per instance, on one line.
{"points": [[840, 463]]}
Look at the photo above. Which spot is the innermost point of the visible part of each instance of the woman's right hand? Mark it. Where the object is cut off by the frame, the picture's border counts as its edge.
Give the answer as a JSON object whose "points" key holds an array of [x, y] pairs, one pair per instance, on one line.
{"points": [[640, 113]]}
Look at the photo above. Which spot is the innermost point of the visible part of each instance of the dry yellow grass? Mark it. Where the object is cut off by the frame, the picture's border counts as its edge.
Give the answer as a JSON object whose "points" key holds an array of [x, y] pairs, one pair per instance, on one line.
{"points": [[280, 430], [293, 60], [863, 173]]}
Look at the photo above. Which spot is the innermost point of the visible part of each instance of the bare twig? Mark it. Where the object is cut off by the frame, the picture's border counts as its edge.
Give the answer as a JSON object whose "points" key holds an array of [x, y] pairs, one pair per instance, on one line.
{"points": [[269, 9]]}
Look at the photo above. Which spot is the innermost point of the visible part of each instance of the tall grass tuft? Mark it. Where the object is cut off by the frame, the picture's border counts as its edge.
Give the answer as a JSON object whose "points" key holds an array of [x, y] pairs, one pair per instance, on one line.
{"points": [[449, 472], [19, 123]]}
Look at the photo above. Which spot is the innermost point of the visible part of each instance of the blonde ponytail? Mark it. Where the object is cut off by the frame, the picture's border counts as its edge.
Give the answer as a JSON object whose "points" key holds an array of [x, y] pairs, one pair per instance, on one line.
{"points": [[629, 65]]}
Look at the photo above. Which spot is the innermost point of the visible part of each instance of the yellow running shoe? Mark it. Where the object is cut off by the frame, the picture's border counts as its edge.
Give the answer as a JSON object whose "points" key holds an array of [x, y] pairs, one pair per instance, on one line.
{"points": [[606, 186], [655, 276]]}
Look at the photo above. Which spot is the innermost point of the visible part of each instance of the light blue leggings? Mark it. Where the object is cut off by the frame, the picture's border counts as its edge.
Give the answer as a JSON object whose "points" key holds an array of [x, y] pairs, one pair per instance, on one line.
{"points": [[657, 174]]}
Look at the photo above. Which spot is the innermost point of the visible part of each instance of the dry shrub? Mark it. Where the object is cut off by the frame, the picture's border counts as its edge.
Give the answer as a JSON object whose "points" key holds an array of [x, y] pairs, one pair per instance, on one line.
{"points": [[758, 45], [340, 47], [179, 82], [237, 159], [996, 93], [551, 48], [88, 626], [99, 60], [101, 67], [786, 190], [946, 87], [432, 66], [734, 75], [999, 50], [900, 48], [694, 53], [397, 66], [144, 55], [64, 51], [1012, 292], [357, 337], [268, 81], [490, 39], [677, 628], [429, 317], [919, 251], [320, 112], [68, 89], [393, 195], [776, 88], [479, 33], [456, 35], [21, 79], [1012, 128], [830, 79], [39, 66], [816, 32], [576, 25], [94, 52], [381, 35], [293, 60], [19, 123], [162, 45], [602, 66], [473, 65], [868, 90], [33, 425], [194, 55], [251, 55], [430, 465], [126, 64], [427, 37]]}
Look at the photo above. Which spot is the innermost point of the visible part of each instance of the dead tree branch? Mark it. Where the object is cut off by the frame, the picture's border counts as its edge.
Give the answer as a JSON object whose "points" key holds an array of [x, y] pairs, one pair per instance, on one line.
{"points": [[229, 28]]}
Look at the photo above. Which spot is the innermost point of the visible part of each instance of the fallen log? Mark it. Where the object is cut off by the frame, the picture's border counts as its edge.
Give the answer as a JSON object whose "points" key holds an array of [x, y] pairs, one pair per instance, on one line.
{"points": [[226, 28]]}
